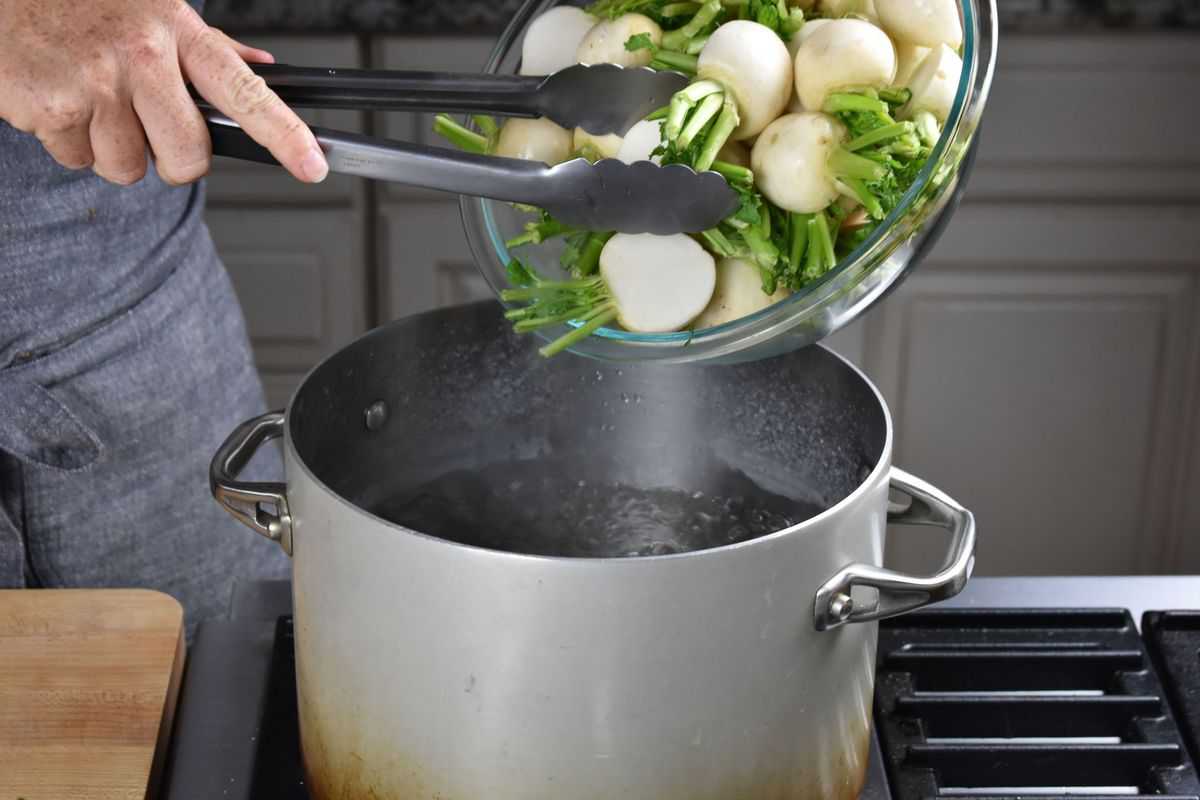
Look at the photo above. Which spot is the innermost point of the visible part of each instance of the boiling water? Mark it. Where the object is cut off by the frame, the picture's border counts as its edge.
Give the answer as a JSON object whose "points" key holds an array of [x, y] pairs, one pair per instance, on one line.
{"points": [[536, 508]]}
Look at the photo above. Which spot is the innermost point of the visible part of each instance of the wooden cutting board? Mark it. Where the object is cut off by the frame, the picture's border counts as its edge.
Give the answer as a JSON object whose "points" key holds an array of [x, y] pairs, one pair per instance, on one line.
{"points": [[88, 683]]}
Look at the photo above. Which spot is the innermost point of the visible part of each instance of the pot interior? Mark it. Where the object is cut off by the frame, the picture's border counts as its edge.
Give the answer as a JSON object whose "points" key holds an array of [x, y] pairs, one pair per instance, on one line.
{"points": [[448, 424]]}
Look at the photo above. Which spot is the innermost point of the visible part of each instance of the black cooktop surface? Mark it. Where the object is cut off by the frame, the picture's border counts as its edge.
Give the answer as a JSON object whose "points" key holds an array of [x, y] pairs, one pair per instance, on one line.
{"points": [[982, 703]]}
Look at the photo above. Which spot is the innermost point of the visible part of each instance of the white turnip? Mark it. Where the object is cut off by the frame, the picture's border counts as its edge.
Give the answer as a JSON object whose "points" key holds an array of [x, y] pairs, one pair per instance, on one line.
{"points": [[533, 140], [552, 40], [843, 54], [927, 23], [738, 293], [934, 84], [605, 42]]}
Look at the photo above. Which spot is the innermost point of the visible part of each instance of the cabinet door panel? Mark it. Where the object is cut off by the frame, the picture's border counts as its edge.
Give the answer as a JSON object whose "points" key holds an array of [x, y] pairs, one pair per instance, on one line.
{"points": [[1091, 117], [300, 277], [426, 261], [1045, 393]]}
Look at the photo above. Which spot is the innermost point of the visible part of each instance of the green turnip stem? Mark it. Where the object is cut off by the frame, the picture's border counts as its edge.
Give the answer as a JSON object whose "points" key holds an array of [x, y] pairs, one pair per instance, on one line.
{"points": [[895, 97], [709, 107], [696, 44], [679, 9], [683, 102], [604, 314], [549, 288], [927, 127], [459, 136], [659, 113], [669, 60], [799, 237], [864, 195], [845, 164], [762, 251], [732, 172], [677, 39], [538, 232], [718, 241], [820, 248], [589, 254], [695, 92], [886, 133], [722, 129], [844, 101], [526, 325], [487, 125]]}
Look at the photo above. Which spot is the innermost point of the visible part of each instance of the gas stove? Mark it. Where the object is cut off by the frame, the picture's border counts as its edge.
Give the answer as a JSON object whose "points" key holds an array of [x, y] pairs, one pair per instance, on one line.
{"points": [[1079, 688]]}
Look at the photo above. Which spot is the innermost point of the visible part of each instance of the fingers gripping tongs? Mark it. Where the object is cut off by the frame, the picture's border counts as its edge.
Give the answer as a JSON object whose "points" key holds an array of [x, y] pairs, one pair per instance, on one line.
{"points": [[606, 195]]}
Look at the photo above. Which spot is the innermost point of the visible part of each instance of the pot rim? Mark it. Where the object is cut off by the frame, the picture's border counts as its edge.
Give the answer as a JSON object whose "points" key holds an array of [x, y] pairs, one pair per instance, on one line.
{"points": [[878, 472]]}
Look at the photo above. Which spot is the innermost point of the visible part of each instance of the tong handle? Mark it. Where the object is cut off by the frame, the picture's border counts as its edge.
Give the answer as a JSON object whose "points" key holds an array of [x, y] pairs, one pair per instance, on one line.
{"points": [[403, 90], [441, 169]]}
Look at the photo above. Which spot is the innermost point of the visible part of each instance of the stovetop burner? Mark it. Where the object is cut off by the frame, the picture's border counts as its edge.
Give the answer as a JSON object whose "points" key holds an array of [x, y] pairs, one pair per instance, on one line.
{"points": [[991, 704]]}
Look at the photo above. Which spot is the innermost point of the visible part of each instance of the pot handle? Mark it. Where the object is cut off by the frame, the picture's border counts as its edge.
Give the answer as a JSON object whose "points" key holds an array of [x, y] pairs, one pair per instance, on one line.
{"points": [[899, 592], [245, 499]]}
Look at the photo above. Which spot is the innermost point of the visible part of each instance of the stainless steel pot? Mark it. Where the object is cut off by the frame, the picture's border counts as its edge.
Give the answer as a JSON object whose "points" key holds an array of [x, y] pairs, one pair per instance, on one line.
{"points": [[431, 669]]}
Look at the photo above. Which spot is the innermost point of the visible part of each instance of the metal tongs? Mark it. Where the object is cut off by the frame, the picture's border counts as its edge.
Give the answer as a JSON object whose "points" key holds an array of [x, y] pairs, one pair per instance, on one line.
{"points": [[606, 195]]}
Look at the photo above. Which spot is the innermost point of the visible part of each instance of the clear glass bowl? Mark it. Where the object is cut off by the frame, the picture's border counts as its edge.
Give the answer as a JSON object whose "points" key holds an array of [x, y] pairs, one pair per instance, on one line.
{"points": [[817, 310]]}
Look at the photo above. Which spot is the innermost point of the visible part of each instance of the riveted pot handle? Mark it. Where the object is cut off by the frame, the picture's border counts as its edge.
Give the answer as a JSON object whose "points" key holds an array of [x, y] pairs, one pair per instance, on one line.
{"points": [[245, 500], [899, 592]]}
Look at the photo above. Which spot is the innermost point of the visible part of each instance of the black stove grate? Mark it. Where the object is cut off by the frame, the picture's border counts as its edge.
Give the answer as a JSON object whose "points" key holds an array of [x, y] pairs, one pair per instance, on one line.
{"points": [[1174, 639], [1047, 704]]}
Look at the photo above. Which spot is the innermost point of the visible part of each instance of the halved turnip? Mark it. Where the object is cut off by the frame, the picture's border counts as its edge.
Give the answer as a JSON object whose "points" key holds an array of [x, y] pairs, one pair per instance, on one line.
{"points": [[934, 84], [922, 22], [640, 141], [552, 40], [605, 42], [534, 140], [648, 283], [658, 283], [603, 146], [738, 293], [843, 54], [908, 59]]}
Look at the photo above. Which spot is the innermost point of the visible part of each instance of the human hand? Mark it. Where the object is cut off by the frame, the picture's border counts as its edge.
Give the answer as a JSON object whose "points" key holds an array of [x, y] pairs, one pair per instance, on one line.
{"points": [[96, 81]]}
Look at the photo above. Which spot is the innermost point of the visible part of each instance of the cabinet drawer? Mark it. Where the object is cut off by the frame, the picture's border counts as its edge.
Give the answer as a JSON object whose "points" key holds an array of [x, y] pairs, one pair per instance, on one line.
{"points": [[1095, 117], [241, 182], [301, 279]]}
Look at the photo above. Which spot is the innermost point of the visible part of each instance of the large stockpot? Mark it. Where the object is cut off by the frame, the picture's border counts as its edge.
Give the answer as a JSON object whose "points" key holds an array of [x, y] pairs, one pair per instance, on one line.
{"points": [[431, 669]]}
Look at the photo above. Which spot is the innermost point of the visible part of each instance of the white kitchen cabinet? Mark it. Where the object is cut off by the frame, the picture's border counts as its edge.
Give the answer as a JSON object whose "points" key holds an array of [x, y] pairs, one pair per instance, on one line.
{"points": [[1038, 368]]}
